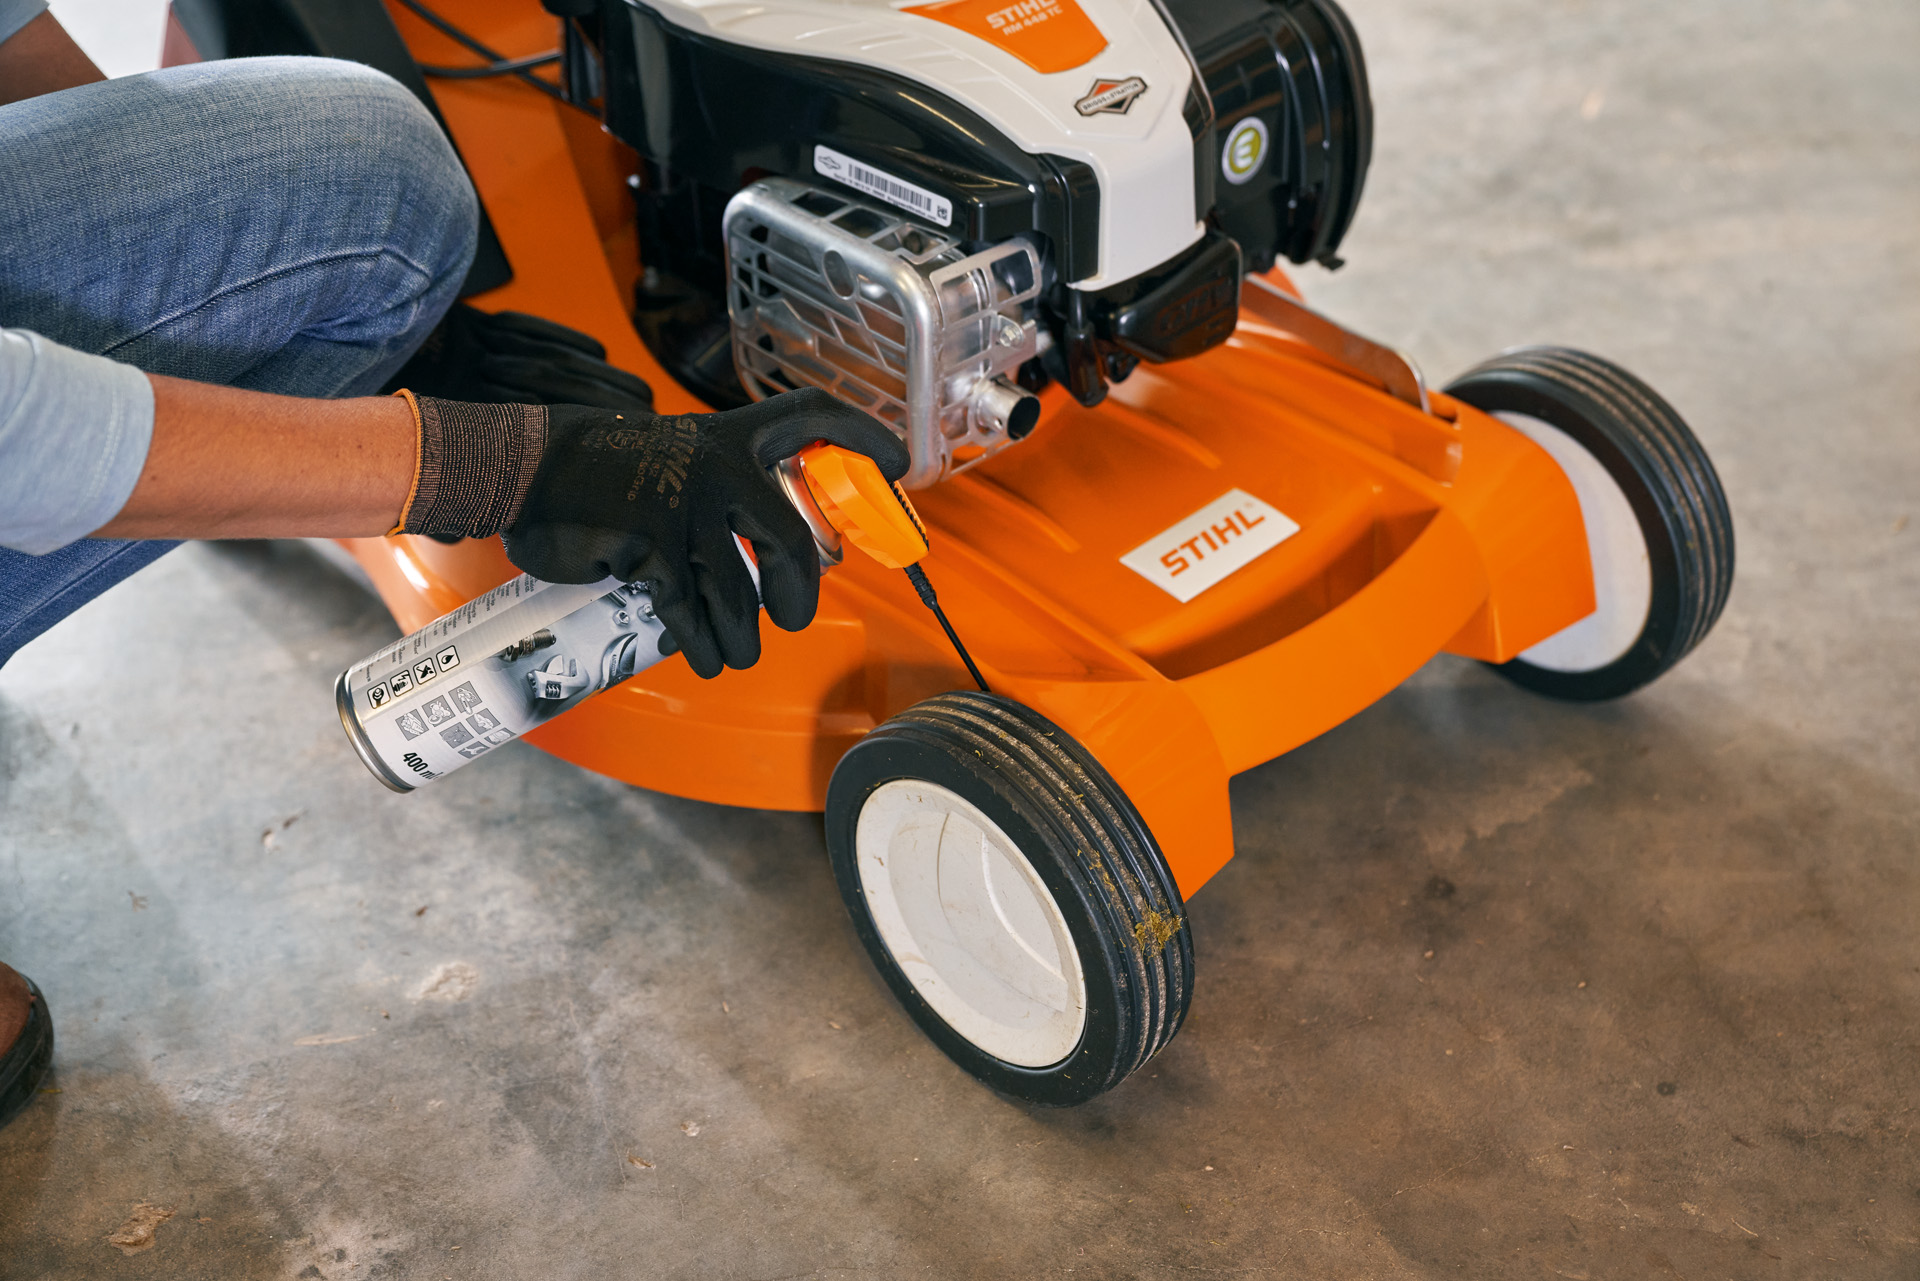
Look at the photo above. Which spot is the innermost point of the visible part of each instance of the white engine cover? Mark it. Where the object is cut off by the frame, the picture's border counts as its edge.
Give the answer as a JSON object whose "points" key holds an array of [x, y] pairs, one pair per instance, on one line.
{"points": [[1143, 157]]}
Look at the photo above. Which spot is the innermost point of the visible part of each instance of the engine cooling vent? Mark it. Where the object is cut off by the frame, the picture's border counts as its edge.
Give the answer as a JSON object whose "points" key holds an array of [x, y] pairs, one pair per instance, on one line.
{"points": [[885, 313]]}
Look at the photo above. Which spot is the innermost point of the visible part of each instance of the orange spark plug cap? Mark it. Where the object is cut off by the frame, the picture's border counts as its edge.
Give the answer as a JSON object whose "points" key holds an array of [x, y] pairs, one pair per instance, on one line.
{"points": [[869, 511]]}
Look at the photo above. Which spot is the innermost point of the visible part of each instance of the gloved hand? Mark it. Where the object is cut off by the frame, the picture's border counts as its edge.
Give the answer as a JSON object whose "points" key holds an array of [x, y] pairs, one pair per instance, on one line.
{"points": [[513, 358], [584, 493]]}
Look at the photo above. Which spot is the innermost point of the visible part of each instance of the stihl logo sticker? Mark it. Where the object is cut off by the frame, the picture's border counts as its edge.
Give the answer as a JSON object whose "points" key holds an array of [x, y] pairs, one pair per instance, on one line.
{"points": [[1113, 97], [1047, 35], [1225, 536], [1020, 16]]}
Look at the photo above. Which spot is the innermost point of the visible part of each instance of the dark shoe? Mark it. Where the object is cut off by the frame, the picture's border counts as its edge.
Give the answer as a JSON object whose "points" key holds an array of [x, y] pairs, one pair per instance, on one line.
{"points": [[26, 1041]]}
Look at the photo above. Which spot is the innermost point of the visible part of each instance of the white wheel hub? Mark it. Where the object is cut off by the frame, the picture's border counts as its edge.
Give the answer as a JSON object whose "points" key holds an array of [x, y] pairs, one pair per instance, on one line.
{"points": [[1622, 570], [970, 922]]}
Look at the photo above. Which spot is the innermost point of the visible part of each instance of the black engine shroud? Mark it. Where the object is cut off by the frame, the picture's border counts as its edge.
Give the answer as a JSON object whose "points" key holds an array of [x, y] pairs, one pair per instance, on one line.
{"points": [[1297, 66], [709, 117]]}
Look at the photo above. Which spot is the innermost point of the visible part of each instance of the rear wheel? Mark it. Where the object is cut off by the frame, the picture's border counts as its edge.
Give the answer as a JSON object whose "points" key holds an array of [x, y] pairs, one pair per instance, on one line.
{"points": [[1011, 897], [1658, 529]]}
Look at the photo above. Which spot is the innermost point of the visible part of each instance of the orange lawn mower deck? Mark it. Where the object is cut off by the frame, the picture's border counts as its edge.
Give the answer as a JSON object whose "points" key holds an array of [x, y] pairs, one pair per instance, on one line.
{"points": [[1421, 529]]}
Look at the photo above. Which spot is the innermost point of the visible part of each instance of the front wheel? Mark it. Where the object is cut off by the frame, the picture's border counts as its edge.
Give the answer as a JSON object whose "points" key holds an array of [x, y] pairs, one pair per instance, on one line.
{"points": [[1011, 897], [1659, 534]]}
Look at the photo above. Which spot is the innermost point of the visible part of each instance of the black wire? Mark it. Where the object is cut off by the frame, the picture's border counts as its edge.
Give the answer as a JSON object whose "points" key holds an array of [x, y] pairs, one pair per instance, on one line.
{"points": [[512, 66], [455, 34], [918, 577]]}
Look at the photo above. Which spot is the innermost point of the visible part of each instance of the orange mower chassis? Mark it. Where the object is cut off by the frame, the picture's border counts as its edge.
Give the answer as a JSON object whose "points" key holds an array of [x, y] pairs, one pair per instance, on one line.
{"points": [[1418, 533]]}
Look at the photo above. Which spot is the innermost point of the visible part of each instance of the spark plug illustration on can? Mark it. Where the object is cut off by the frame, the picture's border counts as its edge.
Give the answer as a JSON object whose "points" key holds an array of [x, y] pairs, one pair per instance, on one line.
{"points": [[518, 656]]}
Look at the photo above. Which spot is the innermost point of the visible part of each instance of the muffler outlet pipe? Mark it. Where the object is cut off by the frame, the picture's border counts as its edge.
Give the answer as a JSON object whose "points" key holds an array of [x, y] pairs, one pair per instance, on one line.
{"points": [[1000, 406]]}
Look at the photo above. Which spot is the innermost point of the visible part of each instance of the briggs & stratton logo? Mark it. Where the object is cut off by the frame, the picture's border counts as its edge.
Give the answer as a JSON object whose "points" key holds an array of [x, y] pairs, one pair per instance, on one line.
{"points": [[1112, 97]]}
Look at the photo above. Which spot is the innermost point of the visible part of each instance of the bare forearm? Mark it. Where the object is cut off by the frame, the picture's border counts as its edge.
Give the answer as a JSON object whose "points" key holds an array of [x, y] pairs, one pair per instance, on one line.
{"points": [[42, 58], [244, 464]]}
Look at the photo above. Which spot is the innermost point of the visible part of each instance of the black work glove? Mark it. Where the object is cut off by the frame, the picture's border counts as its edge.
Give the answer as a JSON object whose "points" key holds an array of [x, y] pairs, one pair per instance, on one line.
{"points": [[637, 496], [512, 358]]}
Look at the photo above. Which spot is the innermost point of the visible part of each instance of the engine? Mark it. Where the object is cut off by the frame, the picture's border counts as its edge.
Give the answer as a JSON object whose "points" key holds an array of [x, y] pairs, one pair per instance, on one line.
{"points": [[934, 209], [891, 316]]}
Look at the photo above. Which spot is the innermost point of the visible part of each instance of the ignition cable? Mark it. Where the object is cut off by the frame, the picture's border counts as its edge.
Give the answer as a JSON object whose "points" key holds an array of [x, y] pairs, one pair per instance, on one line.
{"points": [[918, 577], [497, 63], [509, 67]]}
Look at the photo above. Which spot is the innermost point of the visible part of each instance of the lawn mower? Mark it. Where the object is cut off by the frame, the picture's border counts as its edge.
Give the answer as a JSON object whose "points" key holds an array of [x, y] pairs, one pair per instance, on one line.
{"points": [[1184, 522]]}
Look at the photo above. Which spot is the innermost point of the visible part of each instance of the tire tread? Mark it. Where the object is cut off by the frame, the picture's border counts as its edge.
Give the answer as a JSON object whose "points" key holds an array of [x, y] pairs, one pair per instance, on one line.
{"points": [[1072, 804], [1047, 770], [1670, 460]]}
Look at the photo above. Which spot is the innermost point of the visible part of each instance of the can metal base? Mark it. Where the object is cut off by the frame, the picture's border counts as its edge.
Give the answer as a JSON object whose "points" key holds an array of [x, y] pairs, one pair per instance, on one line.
{"points": [[343, 702]]}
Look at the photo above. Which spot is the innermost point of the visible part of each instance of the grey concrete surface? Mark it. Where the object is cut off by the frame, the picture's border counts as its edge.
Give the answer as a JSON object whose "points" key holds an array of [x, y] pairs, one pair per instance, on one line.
{"points": [[1495, 988]]}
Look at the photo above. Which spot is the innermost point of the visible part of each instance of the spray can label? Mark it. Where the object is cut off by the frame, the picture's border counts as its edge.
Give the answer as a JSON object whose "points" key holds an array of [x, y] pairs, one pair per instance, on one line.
{"points": [[491, 670], [528, 650]]}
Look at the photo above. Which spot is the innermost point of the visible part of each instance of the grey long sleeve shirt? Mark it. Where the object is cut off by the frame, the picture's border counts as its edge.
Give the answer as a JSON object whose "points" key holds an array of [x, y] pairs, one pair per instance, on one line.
{"points": [[74, 432], [74, 428]]}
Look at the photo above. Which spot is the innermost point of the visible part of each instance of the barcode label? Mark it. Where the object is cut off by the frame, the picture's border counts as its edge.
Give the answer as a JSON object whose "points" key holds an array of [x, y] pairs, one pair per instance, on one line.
{"points": [[829, 163]]}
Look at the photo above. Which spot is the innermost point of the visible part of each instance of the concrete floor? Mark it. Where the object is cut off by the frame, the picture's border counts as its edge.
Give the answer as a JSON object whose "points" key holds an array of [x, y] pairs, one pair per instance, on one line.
{"points": [[1667, 1026]]}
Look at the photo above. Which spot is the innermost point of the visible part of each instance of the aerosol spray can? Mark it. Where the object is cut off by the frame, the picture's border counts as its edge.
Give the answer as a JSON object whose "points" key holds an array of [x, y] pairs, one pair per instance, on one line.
{"points": [[528, 650]]}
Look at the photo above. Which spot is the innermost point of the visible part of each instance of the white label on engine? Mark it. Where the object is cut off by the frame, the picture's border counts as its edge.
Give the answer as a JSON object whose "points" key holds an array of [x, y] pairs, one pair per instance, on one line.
{"points": [[1226, 535], [895, 191]]}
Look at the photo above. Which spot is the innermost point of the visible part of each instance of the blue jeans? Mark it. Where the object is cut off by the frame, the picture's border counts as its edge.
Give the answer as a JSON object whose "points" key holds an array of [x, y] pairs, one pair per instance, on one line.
{"points": [[292, 225]]}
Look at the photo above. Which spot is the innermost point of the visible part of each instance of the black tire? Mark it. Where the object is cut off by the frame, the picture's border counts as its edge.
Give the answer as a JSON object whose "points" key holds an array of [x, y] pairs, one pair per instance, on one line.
{"points": [[24, 1065], [1083, 840], [1665, 475]]}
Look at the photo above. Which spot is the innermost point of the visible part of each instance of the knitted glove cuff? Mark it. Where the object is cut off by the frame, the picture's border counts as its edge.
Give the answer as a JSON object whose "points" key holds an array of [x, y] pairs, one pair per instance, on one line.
{"points": [[475, 465]]}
